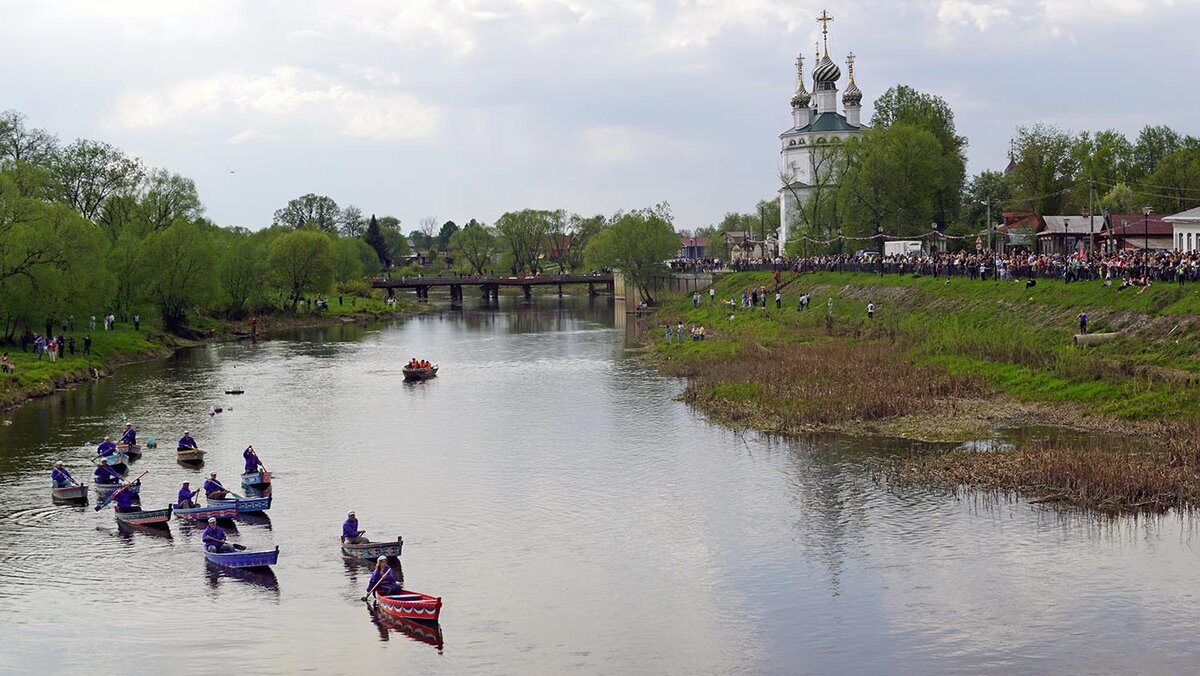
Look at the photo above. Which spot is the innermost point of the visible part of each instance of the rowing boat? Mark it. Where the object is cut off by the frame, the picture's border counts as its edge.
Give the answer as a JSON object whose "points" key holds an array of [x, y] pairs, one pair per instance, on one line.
{"points": [[243, 505], [132, 450], [191, 456], [410, 605], [105, 490], [154, 517], [76, 492], [374, 550], [260, 559], [420, 374], [256, 479], [117, 461], [204, 513]]}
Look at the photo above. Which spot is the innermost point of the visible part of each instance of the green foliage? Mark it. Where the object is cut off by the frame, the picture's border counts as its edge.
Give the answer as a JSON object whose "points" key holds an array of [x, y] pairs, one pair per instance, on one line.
{"points": [[888, 182], [86, 173], [524, 235], [22, 144], [1174, 185], [180, 263], [637, 243], [168, 198], [302, 262], [447, 231], [375, 239], [242, 274], [1045, 169], [1154, 143], [474, 244], [1120, 200], [355, 259], [309, 211], [986, 186]]}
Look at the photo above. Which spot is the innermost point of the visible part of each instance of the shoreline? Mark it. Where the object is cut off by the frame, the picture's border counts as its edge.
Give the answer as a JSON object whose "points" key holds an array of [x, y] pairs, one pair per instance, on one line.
{"points": [[947, 363], [164, 345]]}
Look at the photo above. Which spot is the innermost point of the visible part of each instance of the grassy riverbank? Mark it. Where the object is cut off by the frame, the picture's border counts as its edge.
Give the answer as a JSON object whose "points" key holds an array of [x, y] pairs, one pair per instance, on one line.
{"points": [[123, 344], [947, 361]]}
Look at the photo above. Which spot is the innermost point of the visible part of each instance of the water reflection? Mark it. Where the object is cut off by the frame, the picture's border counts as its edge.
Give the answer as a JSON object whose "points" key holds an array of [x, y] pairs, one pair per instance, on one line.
{"points": [[263, 579]]}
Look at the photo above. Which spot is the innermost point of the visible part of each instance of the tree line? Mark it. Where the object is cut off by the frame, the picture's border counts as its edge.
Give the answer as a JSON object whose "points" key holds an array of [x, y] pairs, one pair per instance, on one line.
{"points": [[906, 175], [86, 229]]}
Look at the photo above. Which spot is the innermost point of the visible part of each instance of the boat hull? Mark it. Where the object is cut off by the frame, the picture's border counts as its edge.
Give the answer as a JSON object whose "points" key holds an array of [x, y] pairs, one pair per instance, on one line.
{"points": [[105, 490], [420, 374], [374, 550], [261, 559], [79, 492], [189, 456], [256, 479], [410, 605], [154, 517], [244, 505], [204, 513], [134, 451]]}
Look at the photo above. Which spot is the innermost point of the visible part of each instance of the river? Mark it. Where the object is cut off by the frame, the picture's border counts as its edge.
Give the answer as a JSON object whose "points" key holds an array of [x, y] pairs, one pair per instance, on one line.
{"points": [[572, 514]]}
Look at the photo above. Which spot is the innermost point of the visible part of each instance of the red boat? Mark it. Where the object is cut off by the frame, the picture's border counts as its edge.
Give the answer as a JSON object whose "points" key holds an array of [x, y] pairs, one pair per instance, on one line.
{"points": [[410, 605]]}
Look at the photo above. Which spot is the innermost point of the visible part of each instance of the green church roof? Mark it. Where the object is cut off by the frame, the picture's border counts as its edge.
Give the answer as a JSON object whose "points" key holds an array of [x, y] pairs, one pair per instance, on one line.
{"points": [[830, 122]]}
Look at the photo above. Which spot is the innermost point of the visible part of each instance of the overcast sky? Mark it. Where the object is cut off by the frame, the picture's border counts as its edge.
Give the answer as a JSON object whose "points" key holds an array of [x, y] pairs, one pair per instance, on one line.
{"points": [[468, 108]]}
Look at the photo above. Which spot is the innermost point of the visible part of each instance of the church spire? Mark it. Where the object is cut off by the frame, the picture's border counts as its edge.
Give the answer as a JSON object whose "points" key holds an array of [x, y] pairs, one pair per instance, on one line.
{"points": [[801, 98], [825, 19], [853, 95]]}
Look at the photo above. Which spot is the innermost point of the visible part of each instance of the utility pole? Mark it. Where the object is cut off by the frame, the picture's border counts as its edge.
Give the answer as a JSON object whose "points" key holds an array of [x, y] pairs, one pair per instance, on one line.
{"points": [[1092, 215], [991, 246]]}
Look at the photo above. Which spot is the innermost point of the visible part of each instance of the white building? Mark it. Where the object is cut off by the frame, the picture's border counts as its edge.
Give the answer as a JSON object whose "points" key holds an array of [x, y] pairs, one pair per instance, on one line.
{"points": [[1185, 228], [806, 157]]}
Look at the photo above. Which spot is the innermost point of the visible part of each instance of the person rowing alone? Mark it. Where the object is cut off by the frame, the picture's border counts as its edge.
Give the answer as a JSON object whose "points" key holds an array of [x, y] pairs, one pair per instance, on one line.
{"points": [[129, 438], [187, 497], [350, 532], [383, 580], [61, 477], [106, 448], [124, 499], [214, 538], [253, 464], [106, 475], [213, 490], [186, 441]]}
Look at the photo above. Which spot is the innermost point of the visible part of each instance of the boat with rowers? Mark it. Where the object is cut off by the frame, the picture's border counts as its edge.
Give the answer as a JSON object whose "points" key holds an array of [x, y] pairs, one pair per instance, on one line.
{"points": [[373, 550], [419, 369], [154, 518]]}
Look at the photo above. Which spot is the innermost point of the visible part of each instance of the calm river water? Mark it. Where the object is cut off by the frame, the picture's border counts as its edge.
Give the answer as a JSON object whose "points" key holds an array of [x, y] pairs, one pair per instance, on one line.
{"points": [[573, 515]]}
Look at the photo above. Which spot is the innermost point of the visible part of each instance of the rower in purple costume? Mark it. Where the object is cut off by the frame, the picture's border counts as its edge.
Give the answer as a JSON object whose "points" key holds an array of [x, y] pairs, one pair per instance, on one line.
{"points": [[214, 538], [125, 498], [252, 462], [350, 532], [384, 576], [61, 477], [213, 490], [186, 441], [130, 436], [106, 475], [106, 448], [186, 497]]}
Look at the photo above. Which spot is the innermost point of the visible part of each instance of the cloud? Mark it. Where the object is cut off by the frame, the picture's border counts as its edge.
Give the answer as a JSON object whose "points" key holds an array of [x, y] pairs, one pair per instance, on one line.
{"points": [[621, 145], [962, 12], [281, 99]]}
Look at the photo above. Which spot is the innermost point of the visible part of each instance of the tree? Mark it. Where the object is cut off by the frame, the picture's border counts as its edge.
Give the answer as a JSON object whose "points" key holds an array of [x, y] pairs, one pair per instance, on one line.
{"points": [[22, 144], [1153, 145], [1175, 184], [353, 223], [310, 211], [87, 173], [570, 243], [1044, 169], [445, 233], [986, 187], [242, 274], [420, 240], [637, 243], [302, 262], [168, 197], [374, 239], [902, 104], [888, 181], [180, 271], [523, 235], [1120, 200], [428, 226], [355, 259], [475, 244]]}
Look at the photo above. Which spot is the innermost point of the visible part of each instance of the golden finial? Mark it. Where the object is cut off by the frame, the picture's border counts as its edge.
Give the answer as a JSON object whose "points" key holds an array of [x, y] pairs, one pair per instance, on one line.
{"points": [[825, 19], [850, 65]]}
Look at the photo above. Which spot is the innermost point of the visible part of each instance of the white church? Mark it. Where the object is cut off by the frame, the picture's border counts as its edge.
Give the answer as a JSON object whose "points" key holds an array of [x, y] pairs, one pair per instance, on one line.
{"points": [[804, 165]]}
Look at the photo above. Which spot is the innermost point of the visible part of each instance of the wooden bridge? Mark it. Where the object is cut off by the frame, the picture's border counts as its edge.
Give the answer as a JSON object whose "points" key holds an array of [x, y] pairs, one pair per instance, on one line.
{"points": [[489, 285]]}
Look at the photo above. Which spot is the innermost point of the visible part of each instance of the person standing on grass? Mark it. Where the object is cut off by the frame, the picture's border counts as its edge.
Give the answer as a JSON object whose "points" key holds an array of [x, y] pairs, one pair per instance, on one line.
{"points": [[712, 294], [1083, 322], [62, 345], [870, 310], [778, 300], [679, 332], [137, 322], [667, 333], [92, 323], [87, 344], [52, 348], [71, 345]]}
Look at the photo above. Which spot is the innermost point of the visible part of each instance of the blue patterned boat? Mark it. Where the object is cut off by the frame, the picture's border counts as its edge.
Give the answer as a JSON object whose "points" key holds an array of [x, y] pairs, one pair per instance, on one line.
{"points": [[373, 550], [244, 505], [256, 479], [245, 559], [204, 513], [156, 517]]}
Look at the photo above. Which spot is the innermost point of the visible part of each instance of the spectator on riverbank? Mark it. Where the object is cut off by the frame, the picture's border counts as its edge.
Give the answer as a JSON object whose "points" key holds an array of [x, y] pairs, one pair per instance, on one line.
{"points": [[71, 345], [679, 332], [52, 348], [667, 333], [778, 300], [137, 322], [61, 343], [92, 323], [870, 310], [87, 344], [39, 346], [1083, 322], [6, 366], [712, 294]]}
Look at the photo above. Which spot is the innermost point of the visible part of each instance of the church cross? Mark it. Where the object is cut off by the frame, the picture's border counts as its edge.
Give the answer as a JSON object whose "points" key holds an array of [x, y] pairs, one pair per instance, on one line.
{"points": [[825, 19], [850, 63]]}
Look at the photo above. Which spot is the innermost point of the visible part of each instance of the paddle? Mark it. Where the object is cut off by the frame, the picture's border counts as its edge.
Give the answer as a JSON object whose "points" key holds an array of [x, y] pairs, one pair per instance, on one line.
{"points": [[240, 548], [112, 495]]}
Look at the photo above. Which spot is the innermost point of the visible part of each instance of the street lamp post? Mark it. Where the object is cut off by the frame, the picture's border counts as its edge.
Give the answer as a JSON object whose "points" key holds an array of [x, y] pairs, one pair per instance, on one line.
{"points": [[1146, 229], [988, 203]]}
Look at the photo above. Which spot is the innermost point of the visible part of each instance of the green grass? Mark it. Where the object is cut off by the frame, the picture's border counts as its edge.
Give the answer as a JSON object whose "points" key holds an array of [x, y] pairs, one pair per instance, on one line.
{"points": [[1017, 340]]}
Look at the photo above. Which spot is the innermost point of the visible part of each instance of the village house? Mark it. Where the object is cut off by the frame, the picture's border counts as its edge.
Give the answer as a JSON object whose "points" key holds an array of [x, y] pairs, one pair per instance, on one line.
{"points": [[1185, 229]]}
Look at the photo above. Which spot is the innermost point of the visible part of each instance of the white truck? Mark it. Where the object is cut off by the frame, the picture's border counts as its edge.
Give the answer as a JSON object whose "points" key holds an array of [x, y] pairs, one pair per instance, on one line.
{"points": [[903, 247]]}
